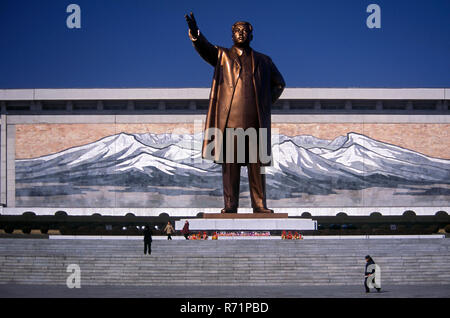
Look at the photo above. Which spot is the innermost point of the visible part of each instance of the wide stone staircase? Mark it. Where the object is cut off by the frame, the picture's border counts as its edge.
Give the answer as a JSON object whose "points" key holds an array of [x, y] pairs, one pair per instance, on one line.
{"points": [[224, 262]]}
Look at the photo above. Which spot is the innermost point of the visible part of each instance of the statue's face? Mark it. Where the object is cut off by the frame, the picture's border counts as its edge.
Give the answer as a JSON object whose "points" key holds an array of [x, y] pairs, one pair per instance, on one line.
{"points": [[242, 35]]}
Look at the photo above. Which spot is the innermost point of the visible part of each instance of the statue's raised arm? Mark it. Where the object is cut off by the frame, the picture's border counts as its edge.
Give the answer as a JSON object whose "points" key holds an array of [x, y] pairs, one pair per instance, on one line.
{"points": [[206, 50]]}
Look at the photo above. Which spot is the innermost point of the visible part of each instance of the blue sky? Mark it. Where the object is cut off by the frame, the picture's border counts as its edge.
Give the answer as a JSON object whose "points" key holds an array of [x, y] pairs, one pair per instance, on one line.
{"points": [[137, 43]]}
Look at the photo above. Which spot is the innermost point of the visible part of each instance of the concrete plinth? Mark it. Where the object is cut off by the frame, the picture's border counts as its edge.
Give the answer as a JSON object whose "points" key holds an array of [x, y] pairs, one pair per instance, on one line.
{"points": [[245, 216], [242, 224]]}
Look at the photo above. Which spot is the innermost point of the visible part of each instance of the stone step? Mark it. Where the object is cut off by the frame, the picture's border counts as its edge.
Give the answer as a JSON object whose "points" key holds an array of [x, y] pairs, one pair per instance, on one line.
{"points": [[256, 262]]}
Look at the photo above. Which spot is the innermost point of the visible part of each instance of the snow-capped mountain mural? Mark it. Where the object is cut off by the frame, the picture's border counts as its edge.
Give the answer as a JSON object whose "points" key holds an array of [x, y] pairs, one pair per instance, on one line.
{"points": [[167, 170]]}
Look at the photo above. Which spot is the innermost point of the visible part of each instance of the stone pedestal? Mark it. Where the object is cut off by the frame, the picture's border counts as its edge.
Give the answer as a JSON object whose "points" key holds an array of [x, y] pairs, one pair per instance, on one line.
{"points": [[247, 222], [245, 216]]}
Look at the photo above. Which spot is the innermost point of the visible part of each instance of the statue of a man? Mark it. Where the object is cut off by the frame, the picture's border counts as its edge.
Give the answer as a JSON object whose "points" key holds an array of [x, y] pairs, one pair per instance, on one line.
{"points": [[245, 85]]}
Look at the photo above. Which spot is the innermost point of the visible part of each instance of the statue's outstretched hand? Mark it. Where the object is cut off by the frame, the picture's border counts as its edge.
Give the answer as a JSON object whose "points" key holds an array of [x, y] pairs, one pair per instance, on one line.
{"points": [[191, 23]]}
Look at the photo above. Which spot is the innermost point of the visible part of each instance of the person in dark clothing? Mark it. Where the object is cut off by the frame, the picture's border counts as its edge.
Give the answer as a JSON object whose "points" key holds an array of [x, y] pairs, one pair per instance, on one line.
{"points": [[148, 240], [185, 230], [368, 272]]}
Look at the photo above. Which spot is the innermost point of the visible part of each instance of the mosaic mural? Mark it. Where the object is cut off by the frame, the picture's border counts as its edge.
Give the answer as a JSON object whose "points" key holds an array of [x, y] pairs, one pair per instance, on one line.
{"points": [[153, 166]]}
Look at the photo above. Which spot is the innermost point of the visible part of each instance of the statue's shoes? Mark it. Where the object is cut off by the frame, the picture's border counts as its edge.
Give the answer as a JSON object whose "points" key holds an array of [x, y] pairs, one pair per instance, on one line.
{"points": [[228, 210], [262, 210]]}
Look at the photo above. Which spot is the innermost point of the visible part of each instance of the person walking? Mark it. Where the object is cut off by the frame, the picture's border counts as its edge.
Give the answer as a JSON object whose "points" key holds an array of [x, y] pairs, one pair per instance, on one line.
{"points": [[185, 230], [147, 240], [368, 272], [169, 230]]}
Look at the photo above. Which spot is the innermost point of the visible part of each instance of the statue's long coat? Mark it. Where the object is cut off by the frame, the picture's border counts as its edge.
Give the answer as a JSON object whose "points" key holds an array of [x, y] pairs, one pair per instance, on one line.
{"points": [[267, 80]]}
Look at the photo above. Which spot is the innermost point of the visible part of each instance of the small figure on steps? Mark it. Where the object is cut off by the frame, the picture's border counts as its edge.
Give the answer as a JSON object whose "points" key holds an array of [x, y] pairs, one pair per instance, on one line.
{"points": [[147, 240]]}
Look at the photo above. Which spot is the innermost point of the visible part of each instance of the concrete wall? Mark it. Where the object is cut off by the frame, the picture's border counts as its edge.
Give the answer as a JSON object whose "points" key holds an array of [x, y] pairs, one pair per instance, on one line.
{"points": [[352, 150]]}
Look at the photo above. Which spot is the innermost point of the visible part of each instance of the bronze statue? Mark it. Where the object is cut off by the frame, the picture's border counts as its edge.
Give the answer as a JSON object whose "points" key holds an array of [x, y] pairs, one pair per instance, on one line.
{"points": [[245, 85]]}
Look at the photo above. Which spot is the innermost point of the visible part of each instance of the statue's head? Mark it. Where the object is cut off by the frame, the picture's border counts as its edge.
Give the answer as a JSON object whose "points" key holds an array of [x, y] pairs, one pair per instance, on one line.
{"points": [[242, 33]]}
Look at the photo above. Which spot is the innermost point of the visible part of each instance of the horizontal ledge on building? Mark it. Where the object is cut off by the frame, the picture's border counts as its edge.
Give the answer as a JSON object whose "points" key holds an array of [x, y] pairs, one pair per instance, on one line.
{"points": [[190, 118], [194, 212], [274, 237], [203, 93]]}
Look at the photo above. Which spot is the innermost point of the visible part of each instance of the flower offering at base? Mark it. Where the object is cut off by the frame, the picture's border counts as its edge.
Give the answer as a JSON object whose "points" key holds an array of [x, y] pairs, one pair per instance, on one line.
{"points": [[243, 234], [215, 236], [290, 236]]}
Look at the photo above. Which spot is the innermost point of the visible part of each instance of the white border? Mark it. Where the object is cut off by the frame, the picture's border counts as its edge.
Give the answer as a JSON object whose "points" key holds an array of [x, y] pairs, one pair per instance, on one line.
{"points": [[305, 237]]}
